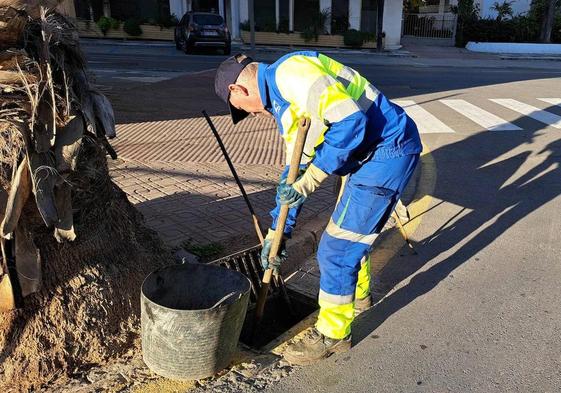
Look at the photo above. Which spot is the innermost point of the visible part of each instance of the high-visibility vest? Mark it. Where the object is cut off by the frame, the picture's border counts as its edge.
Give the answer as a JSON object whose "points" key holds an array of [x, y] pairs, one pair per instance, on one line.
{"points": [[351, 119]]}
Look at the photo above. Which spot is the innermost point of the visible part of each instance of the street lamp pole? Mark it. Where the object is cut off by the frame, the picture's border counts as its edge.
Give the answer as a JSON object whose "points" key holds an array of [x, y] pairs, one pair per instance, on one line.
{"points": [[379, 27]]}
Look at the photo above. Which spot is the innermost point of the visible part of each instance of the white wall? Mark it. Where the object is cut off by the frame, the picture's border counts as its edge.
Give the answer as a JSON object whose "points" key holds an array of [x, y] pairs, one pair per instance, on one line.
{"points": [[355, 7], [178, 7], [244, 11], [393, 17]]}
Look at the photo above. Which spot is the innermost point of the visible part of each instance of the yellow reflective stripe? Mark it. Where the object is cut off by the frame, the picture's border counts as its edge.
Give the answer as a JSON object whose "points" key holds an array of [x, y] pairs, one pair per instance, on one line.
{"points": [[363, 283], [341, 110], [343, 234], [334, 320], [336, 299]]}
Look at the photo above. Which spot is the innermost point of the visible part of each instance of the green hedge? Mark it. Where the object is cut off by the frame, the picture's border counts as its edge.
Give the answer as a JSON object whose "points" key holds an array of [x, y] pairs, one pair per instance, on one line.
{"points": [[524, 28], [132, 27]]}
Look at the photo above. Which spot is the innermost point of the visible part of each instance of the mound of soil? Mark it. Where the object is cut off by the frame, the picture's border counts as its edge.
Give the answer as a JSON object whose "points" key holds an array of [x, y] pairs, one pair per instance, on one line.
{"points": [[87, 311]]}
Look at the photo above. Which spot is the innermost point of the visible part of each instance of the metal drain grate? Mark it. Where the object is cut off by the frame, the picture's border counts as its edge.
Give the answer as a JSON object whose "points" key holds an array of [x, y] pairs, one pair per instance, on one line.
{"points": [[248, 263]]}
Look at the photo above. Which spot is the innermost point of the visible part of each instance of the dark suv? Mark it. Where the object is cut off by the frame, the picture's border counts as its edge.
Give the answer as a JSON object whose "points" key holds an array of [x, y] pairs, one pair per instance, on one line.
{"points": [[202, 29]]}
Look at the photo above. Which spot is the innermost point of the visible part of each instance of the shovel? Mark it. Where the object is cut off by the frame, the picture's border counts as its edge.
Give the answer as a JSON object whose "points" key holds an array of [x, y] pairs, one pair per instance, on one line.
{"points": [[303, 126]]}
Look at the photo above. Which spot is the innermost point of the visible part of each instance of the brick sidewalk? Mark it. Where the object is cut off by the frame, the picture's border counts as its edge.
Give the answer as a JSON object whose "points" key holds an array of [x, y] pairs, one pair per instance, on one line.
{"points": [[173, 171]]}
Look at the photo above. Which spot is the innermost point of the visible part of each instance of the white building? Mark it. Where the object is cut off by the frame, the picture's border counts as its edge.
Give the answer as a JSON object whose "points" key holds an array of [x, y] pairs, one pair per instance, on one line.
{"points": [[360, 14]]}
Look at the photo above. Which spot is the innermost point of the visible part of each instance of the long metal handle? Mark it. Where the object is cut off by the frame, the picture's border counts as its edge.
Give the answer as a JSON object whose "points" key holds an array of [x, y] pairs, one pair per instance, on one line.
{"points": [[303, 126], [256, 224]]}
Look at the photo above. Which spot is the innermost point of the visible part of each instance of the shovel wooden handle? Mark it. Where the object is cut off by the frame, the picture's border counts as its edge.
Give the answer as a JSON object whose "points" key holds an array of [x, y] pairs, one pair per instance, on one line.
{"points": [[303, 126]]}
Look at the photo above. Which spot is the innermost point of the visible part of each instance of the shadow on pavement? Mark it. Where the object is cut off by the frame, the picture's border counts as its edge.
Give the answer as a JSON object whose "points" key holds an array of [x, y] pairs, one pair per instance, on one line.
{"points": [[467, 172]]}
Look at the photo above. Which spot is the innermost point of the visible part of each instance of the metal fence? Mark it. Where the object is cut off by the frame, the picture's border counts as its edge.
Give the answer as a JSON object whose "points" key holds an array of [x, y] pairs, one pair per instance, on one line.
{"points": [[439, 26]]}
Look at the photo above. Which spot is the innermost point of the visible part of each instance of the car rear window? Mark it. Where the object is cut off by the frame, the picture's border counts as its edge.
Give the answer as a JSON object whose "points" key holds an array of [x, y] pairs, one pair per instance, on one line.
{"points": [[208, 19]]}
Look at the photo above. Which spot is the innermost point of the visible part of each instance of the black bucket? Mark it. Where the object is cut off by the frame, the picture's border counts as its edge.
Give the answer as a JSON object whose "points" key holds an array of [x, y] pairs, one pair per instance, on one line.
{"points": [[192, 316]]}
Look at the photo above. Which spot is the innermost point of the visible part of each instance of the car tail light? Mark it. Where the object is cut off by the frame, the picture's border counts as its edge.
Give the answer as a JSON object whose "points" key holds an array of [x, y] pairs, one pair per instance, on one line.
{"points": [[225, 28]]}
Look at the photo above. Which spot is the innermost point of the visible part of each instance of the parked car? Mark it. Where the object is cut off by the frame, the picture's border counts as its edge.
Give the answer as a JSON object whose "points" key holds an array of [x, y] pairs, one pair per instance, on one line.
{"points": [[202, 29]]}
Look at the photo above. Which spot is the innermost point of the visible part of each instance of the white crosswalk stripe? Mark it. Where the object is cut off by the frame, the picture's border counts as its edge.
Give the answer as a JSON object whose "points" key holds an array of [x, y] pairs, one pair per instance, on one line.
{"points": [[553, 101], [480, 116], [426, 121], [530, 111]]}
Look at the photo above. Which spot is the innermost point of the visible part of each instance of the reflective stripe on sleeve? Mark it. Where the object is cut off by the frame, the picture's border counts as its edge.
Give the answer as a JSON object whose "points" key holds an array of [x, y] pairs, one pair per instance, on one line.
{"points": [[368, 97], [340, 110], [346, 76], [316, 91]]}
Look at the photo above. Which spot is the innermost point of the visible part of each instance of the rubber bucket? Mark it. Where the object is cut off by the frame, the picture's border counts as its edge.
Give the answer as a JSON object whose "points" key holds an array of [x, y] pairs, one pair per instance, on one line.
{"points": [[192, 316]]}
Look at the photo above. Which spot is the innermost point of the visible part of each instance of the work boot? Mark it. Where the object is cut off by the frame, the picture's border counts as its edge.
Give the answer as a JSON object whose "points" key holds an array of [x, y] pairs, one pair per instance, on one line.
{"points": [[362, 305], [313, 347]]}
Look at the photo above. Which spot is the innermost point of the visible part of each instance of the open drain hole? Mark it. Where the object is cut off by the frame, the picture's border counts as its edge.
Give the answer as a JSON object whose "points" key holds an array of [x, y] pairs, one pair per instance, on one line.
{"points": [[277, 318]]}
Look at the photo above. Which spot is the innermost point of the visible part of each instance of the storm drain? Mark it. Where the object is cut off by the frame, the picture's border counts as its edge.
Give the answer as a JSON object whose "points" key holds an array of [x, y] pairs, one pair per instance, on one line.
{"points": [[279, 316]]}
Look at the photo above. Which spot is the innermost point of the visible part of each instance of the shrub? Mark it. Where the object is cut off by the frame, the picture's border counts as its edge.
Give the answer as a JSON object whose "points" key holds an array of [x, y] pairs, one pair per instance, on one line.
{"points": [[115, 23], [309, 34], [104, 23], [368, 37], [317, 26], [518, 29], [132, 27], [166, 21], [353, 38]]}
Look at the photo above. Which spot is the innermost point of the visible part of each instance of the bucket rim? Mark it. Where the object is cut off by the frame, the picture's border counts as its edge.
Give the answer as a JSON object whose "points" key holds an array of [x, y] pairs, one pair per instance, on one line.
{"points": [[201, 310]]}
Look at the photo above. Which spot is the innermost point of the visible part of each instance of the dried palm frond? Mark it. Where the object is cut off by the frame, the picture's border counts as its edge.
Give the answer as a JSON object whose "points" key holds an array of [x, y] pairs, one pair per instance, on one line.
{"points": [[47, 107]]}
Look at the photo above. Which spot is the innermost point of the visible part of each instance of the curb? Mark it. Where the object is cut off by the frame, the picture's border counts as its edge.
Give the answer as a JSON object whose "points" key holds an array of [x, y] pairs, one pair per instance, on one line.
{"points": [[543, 58], [305, 242], [328, 50]]}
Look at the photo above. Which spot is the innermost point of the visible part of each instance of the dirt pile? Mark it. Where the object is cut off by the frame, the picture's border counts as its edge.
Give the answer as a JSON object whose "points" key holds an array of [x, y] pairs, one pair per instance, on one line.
{"points": [[82, 285]]}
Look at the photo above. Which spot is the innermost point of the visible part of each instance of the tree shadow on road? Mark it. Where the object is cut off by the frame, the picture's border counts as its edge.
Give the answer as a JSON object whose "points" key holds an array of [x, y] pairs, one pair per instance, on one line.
{"points": [[470, 171]]}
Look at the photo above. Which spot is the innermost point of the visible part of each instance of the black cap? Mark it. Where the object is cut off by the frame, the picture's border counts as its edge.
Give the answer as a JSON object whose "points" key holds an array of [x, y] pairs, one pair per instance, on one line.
{"points": [[226, 75]]}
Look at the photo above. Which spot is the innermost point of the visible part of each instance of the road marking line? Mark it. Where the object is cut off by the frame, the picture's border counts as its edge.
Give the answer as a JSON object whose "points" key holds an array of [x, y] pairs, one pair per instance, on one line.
{"points": [[485, 119], [553, 101], [531, 111], [426, 121]]}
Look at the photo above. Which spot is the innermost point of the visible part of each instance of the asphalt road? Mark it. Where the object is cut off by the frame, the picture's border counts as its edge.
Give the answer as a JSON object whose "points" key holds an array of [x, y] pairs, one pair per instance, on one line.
{"points": [[478, 308]]}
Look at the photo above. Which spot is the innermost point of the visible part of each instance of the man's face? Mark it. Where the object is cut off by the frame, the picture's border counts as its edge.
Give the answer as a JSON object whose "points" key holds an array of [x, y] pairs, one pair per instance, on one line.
{"points": [[244, 99]]}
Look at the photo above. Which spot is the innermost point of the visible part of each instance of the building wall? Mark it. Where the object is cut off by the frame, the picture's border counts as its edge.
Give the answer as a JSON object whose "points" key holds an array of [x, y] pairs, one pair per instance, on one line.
{"points": [[179, 7], [361, 14], [393, 18]]}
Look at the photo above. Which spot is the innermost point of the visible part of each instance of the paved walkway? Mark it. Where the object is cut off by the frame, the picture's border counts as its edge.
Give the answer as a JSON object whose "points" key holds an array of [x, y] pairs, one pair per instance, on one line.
{"points": [[171, 168]]}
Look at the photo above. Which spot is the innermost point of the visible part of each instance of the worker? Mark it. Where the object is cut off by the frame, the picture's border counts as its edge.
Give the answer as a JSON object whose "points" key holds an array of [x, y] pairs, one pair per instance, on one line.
{"points": [[355, 132]]}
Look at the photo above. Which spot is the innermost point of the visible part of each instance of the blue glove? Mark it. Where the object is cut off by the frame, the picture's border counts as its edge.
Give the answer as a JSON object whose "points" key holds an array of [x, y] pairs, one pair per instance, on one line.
{"points": [[279, 259], [289, 196]]}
